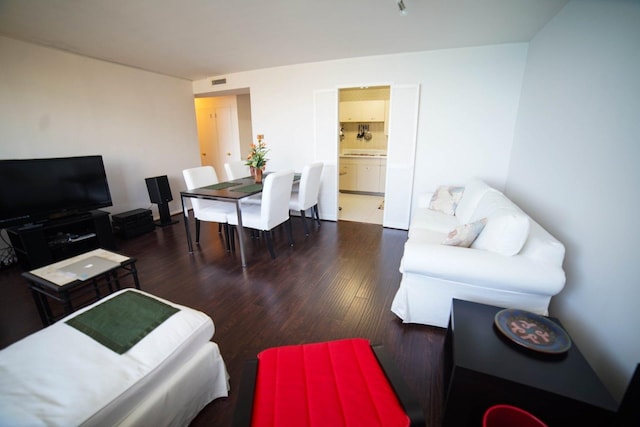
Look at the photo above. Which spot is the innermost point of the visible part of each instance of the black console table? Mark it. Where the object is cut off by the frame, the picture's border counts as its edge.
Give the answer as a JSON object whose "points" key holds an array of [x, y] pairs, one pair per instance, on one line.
{"points": [[483, 368], [54, 240]]}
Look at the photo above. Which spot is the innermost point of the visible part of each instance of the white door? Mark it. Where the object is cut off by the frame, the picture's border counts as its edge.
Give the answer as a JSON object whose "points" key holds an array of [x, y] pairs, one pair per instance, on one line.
{"points": [[401, 150], [326, 136], [228, 145], [218, 137], [207, 135]]}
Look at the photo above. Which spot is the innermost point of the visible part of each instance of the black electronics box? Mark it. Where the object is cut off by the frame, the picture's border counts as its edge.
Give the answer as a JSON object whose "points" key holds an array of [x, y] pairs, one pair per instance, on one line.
{"points": [[132, 223]]}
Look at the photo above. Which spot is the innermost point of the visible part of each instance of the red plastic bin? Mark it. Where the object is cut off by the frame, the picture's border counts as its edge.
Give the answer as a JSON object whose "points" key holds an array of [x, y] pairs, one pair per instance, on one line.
{"points": [[509, 416]]}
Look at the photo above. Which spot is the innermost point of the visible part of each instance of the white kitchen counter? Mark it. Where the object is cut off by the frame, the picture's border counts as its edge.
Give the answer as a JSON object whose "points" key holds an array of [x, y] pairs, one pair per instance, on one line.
{"points": [[363, 153], [363, 156]]}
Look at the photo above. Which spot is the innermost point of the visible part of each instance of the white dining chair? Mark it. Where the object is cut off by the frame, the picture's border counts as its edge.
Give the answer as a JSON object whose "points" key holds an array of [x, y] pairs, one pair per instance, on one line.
{"points": [[306, 196], [236, 169], [207, 210], [271, 212]]}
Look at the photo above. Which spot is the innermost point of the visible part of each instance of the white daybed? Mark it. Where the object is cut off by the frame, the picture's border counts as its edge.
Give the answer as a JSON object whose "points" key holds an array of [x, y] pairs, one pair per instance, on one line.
{"points": [[60, 376]]}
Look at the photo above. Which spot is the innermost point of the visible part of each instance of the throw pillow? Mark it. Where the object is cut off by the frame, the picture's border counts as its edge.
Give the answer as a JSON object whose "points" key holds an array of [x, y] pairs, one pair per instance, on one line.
{"points": [[464, 235], [474, 190], [446, 199], [506, 232]]}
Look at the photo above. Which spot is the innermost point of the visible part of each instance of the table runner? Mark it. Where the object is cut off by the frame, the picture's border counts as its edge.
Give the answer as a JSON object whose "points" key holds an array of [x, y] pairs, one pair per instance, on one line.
{"points": [[222, 185], [120, 322], [249, 188]]}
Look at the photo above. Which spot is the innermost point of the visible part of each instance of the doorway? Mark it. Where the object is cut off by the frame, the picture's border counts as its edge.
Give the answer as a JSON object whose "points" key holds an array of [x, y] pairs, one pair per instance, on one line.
{"points": [[404, 103], [224, 129], [364, 117]]}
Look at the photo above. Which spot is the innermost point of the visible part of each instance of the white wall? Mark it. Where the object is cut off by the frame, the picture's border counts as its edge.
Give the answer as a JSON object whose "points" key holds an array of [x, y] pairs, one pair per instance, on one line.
{"points": [[468, 107], [574, 167], [54, 103]]}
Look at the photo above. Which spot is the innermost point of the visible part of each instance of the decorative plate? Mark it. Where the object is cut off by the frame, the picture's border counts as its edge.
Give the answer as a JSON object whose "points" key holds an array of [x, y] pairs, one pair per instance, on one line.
{"points": [[532, 331]]}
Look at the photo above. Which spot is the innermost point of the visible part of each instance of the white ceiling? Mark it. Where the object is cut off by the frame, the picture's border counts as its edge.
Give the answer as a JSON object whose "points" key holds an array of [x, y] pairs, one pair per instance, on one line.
{"points": [[194, 39]]}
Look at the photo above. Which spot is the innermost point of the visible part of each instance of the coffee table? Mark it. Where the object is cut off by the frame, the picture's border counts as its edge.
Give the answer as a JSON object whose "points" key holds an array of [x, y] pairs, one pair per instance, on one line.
{"points": [[484, 368], [50, 282]]}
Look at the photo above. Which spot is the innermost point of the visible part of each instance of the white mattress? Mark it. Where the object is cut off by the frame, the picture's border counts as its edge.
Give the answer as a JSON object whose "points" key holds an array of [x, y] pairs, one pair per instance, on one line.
{"points": [[61, 377]]}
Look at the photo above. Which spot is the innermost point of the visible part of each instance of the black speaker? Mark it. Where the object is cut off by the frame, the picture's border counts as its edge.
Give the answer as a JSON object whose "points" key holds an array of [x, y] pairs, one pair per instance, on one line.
{"points": [[159, 190], [160, 193]]}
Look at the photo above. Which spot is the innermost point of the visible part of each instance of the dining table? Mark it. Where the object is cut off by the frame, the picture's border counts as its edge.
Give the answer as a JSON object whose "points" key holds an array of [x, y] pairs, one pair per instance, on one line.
{"points": [[232, 191]]}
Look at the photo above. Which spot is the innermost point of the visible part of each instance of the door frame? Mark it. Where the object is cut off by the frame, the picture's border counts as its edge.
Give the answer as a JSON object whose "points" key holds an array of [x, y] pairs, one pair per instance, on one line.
{"points": [[400, 169]]}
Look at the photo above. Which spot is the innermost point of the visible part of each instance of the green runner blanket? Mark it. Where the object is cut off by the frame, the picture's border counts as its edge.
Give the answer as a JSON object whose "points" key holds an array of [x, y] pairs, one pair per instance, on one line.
{"points": [[222, 185], [120, 322], [249, 188]]}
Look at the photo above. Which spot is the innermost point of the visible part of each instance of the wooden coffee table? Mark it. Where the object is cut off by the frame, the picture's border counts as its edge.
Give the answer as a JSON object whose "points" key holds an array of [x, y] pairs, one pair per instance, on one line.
{"points": [[50, 282], [484, 368]]}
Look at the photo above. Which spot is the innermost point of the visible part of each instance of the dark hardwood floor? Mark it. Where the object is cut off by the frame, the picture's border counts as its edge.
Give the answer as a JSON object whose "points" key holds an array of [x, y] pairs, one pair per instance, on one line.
{"points": [[336, 283]]}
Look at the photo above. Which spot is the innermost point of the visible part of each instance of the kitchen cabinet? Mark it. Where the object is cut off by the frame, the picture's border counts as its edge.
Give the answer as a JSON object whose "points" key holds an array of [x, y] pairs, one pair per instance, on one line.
{"points": [[368, 176], [348, 172], [373, 111], [382, 180], [362, 111], [363, 175], [350, 111]]}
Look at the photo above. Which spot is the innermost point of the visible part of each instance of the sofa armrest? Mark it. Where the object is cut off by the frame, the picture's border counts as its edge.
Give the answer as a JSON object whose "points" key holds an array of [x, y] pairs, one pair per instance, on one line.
{"points": [[482, 268]]}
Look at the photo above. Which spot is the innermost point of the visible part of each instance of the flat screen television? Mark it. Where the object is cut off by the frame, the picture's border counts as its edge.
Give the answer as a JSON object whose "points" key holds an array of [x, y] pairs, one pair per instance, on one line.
{"points": [[38, 190]]}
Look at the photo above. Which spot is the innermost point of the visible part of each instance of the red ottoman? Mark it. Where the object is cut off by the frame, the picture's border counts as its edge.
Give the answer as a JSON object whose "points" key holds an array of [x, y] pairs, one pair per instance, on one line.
{"points": [[335, 383]]}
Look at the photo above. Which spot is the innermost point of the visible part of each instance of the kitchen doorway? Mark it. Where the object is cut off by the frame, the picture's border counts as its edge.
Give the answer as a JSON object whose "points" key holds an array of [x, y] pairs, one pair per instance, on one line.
{"points": [[404, 104], [364, 118]]}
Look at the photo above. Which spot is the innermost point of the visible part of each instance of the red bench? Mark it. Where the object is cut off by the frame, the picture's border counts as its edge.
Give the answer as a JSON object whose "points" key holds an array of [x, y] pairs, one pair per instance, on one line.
{"points": [[336, 383]]}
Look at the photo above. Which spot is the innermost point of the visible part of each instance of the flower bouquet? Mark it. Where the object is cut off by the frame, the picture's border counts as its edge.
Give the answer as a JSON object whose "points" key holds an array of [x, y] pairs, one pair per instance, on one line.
{"points": [[257, 160]]}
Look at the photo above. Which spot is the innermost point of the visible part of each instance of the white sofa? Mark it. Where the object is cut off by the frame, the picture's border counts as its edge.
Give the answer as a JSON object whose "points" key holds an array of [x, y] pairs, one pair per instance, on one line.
{"points": [[512, 263]]}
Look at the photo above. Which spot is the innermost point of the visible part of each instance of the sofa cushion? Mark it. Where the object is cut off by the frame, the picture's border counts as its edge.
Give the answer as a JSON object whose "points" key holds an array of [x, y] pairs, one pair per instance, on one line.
{"points": [[424, 218], [507, 226], [446, 199], [473, 192], [427, 236], [465, 234]]}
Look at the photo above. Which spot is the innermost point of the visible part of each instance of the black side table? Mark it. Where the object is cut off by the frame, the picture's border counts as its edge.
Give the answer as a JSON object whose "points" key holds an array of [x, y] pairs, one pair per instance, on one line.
{"points": [[484, 368]]}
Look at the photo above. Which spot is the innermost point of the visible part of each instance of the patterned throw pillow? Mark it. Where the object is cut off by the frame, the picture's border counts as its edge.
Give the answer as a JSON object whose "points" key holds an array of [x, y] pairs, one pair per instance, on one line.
{"points": [[446, 199], [464, 235]]}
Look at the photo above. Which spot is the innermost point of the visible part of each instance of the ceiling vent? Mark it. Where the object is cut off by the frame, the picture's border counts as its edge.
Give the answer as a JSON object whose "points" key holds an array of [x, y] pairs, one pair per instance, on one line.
{"points": [[219, 82]]}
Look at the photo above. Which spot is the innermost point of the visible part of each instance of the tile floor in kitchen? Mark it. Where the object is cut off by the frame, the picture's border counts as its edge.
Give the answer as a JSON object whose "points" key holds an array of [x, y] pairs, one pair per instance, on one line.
{"points": [[360, 208]]}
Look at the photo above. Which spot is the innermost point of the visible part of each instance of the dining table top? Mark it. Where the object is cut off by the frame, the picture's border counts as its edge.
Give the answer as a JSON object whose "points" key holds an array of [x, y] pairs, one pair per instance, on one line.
{"points": [[234, 189]]}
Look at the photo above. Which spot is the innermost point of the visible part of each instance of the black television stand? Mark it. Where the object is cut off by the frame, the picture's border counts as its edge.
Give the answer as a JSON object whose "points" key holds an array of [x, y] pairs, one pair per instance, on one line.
{"points": [[37, 245]]}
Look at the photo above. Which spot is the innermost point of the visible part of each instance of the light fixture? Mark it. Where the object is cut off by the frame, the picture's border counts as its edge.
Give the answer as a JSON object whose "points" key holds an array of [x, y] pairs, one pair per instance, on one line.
{"points": [[402, 7]]}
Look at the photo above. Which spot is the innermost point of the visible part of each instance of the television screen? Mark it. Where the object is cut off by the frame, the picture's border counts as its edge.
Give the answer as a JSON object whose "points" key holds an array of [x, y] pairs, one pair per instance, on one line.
{"points": [[35, 190]]}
